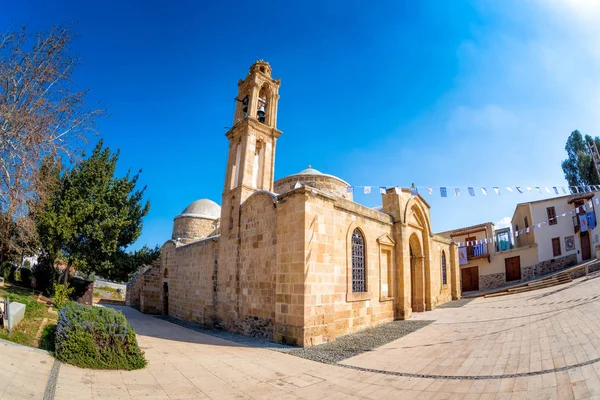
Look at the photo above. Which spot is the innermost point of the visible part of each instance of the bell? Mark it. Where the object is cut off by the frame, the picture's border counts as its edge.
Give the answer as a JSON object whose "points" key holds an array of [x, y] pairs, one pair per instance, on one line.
{"points": [[245, 103], [261, 114]]}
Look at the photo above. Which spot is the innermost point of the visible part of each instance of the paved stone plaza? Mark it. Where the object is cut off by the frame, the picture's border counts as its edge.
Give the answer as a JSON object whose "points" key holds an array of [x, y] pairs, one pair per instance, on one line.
{"points": [[540, 345]]}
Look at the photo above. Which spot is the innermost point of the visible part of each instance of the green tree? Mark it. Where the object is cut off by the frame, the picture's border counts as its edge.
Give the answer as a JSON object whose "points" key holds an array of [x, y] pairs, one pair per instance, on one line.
{"points": [[579, 167], [93, 214], [125, 264], [42, 114]]}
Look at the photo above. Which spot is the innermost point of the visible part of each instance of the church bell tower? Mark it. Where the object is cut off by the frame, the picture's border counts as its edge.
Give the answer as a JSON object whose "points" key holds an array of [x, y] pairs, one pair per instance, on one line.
{"points": [[252, 139]]}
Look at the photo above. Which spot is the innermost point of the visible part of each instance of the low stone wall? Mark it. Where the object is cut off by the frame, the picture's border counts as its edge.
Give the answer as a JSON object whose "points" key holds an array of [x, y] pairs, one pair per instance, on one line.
{"points": [[492, 281]]}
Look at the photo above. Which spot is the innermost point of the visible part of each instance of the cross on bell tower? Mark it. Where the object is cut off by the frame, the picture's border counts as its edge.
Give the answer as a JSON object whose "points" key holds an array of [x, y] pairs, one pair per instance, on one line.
{"points": [[252, 140]]}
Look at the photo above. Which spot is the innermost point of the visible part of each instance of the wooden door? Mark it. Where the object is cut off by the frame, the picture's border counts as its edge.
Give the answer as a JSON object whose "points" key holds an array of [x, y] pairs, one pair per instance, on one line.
{"points": [[586, 252], [470, 279], [512, 266]]}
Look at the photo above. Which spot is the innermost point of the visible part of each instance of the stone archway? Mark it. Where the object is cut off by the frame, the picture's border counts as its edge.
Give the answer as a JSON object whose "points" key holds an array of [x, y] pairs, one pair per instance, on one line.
{"points": [[417, 274]]}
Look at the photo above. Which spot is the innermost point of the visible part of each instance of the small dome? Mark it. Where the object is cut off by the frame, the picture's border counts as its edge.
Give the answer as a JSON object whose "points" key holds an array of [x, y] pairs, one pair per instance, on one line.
{"points": [[310, 171], [203, 208]]}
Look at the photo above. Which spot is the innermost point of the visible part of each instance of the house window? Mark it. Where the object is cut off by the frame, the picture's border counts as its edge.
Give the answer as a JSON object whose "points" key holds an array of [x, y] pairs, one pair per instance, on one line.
{"points": [[444, 277], [358, 262], [556, 247], [551, 212], [526, 223]]}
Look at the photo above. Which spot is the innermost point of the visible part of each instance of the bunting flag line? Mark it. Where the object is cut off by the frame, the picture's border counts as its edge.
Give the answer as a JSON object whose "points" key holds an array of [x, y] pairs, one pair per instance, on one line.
{"points": [[472, 190]]}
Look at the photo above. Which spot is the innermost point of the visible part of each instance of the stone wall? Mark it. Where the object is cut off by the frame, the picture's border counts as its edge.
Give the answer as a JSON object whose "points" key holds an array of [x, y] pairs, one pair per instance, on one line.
{"points": [[188, 271], [134, 286], [492, 281], [325, 183], [255, 308], [150, 294], [189, 228], [331, 308]]}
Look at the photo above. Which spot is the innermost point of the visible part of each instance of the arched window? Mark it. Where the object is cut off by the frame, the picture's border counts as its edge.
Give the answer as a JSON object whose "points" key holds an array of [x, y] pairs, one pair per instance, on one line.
{"points": [[358, 262], [444, 275]]}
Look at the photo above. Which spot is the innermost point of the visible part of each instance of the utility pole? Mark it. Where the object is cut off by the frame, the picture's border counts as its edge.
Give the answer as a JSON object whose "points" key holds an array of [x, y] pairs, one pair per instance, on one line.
{"points": [[595, 156]]}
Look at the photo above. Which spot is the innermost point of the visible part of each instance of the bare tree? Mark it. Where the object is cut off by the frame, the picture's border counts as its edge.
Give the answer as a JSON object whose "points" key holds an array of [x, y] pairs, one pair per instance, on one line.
{"points": [[41, 115]]}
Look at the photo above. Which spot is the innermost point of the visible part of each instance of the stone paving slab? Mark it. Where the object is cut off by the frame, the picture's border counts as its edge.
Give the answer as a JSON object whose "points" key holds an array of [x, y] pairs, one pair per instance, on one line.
{"points": [[24, 371], [534, 345]]}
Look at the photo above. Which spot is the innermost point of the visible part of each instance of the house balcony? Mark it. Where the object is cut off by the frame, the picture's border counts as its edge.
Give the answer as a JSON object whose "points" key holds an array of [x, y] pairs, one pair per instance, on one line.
{"points": [[477, 251]]}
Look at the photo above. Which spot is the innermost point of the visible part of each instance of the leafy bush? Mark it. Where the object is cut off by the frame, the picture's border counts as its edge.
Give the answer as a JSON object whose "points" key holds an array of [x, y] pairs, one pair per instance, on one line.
{"points": [[5, 270], [96, 337], [61, 295]]}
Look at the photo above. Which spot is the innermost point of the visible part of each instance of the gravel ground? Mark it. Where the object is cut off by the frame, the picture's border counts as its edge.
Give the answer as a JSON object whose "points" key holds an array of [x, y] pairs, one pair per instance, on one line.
{"points": [[343, 347], [456, 303], [356, 343]]}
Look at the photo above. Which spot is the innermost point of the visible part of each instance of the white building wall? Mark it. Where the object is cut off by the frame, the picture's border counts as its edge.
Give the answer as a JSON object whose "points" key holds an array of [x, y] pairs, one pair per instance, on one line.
{"points": [[563, 229]]}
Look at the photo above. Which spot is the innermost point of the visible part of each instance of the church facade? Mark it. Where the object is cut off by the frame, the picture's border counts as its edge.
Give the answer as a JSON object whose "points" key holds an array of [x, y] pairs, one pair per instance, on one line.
{"points": [[296, 260]]}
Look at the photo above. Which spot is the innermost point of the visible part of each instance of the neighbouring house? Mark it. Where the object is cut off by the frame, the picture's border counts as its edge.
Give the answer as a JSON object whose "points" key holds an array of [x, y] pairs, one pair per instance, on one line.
{"points": [[547, 235], [294, 260]]}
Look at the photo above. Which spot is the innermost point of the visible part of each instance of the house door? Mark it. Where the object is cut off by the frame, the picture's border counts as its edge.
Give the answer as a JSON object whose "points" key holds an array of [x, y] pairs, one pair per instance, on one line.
{"points": [[470, 279], [586, 252], [512, 266]]}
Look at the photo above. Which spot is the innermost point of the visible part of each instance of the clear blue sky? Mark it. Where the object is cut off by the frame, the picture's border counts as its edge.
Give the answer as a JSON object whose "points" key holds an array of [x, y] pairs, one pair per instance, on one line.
{"points": [[438, 93]]}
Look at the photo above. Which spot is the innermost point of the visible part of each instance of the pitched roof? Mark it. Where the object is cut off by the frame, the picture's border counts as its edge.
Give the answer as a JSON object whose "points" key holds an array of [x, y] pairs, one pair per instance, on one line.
{"points": [[466, 229]]}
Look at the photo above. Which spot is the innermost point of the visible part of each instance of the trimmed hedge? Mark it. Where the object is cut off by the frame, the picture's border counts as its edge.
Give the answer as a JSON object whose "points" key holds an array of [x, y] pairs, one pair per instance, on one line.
{"points": [[96, 337]]}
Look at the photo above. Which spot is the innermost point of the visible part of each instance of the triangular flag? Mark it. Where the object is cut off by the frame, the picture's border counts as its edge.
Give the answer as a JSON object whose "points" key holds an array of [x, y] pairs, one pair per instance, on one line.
{"points": [[443, 192], [597, 201], [484, 191], [583, 207], [414, 191], [471, 191], [563, 215], [456, 192], [509, 189], [497, 190], [563, 190], [516, 233], [349, 189], [590, 204], [528, 188], [555, 189], [367, 189], [539, 225], [538, 189], [577, 210], [430, 191], [397, 190], [547, 190], [527, 230], [519, 190], [382, 189], [532, 227]]}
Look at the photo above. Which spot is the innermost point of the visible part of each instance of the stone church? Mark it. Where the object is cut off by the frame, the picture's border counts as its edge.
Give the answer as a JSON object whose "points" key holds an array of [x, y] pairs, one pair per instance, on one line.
{"points": [[296, 260]]}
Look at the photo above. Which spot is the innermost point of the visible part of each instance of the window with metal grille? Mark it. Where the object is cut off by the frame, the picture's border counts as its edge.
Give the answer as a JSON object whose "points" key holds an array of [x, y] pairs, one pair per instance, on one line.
{"points": [[358, 262], [444, 278]]}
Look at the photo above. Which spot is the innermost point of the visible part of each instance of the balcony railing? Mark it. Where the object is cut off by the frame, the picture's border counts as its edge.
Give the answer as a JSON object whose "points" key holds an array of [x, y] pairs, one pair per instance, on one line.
{"points": [[477, 251]]}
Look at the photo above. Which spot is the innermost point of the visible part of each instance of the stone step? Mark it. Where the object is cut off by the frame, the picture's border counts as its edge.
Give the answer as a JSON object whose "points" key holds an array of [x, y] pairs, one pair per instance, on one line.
{"points": [[549, 282]]}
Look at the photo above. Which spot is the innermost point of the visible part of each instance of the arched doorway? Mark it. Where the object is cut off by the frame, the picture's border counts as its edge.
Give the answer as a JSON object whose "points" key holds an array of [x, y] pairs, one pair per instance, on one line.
{"points": [[417, 274]]}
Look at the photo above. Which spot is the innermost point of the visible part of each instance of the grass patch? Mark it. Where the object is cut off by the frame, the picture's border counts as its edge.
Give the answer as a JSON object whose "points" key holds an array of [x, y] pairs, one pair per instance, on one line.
{"points": [[107, 292], [35, 312]]}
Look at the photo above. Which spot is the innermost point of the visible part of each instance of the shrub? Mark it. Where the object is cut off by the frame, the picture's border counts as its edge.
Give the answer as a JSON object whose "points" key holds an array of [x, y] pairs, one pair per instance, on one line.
{"points": [[5, 270], [61, 295], [96, 337]]}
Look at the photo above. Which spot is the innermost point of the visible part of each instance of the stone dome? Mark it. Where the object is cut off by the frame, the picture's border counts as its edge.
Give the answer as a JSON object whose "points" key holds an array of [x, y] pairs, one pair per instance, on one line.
{"points": [[203, 208], [316, 179]]}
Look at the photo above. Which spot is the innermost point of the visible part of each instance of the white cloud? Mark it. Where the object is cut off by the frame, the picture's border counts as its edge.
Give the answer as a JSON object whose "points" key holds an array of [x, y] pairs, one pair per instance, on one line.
{"points": [[503, 223]]}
